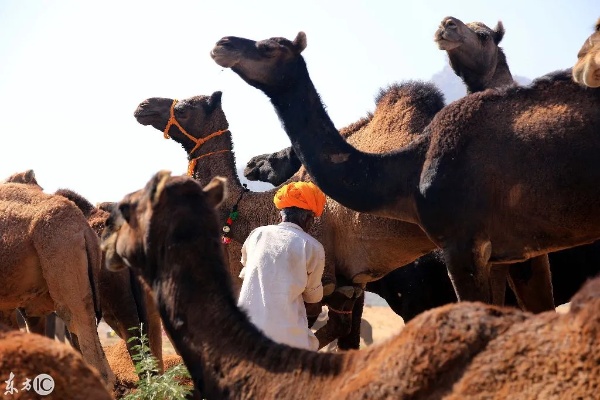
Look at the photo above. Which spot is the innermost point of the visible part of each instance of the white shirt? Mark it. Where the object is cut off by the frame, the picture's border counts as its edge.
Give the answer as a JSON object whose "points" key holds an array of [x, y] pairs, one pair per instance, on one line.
{"points": [[283, 266]]}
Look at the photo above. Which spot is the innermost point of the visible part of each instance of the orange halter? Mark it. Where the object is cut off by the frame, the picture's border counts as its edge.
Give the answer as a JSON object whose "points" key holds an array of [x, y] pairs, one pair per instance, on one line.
{"points": [[199, 142]]}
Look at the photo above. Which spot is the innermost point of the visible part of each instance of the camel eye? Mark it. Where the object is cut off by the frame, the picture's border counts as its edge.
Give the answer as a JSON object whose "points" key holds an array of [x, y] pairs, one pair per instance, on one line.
{"points": [[483, 36]]}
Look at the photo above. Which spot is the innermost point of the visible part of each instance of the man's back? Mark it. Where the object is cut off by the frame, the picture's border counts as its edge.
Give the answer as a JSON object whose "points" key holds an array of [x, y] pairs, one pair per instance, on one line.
{"points": [[283, 266]]}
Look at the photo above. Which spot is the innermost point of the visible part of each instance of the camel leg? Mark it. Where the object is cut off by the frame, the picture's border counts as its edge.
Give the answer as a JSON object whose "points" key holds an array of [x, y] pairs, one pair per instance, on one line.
{"points": [[66, 275], [11, 318], [352, 339], [532, 283], [341, 303], [469, 270], [498, 276], [154, 328]]}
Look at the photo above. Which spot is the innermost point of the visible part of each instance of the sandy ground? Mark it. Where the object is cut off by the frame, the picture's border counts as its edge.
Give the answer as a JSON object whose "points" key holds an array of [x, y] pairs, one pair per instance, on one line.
{"points": [[383, 320]]}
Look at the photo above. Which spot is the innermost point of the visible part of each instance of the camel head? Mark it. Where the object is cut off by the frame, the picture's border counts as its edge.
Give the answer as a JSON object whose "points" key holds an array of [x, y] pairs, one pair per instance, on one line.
{"points": [[269, 65], [147, 220], [26, 177], [586, 71], [198, 116], [453, 33], [474, 54]]}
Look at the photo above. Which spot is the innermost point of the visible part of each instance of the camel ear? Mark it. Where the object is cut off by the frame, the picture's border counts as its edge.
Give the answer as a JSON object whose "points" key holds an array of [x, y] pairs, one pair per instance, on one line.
{"points": [[215, 100], [216, 191], [300, 42], [158, 183], [499, 32]]}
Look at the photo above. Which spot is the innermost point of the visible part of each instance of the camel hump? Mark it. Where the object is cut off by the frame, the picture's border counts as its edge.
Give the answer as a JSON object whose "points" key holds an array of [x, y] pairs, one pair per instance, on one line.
{"points": [[81, 202]]}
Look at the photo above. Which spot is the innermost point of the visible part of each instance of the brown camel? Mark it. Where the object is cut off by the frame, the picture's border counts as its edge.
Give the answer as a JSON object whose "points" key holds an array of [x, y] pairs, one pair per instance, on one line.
{"points": [[48, 256], [125, 301], [473, 53], [359, 247], [27, 355], [587, 68], [170, 233], [453, 180]]}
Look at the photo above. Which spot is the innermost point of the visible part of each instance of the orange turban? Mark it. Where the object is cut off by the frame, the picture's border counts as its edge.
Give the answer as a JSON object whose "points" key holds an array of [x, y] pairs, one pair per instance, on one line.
{"points": [[305, 195]]}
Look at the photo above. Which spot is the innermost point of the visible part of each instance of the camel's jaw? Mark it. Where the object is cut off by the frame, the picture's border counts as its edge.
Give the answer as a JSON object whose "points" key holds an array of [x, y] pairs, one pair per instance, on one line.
{"points": [[153, 111], [586, 71], [447, 40], [225, 57]]}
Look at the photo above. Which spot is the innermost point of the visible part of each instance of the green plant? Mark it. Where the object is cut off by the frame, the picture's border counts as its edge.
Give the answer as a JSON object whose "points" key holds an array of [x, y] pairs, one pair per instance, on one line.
{"points": [[151, 384]]}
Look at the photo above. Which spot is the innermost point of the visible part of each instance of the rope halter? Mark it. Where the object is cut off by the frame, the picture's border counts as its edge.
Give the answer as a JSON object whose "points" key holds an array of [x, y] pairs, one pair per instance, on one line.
{"points": [[198, 141]]}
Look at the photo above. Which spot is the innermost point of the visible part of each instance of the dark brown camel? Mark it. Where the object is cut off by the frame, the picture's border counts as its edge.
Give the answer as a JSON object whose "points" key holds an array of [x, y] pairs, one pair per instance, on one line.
{"points": [[170, 233], [473, 53], [587, 68], [453, 181], [474, 56]]}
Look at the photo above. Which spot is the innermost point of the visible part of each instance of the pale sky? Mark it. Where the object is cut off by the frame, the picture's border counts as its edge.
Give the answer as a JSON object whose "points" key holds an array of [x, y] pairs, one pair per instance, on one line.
{"points": [[73, 72]]}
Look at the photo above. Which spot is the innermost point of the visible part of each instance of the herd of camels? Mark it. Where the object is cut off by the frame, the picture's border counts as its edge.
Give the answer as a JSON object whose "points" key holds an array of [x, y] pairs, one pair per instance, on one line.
{"points": [[489, 200]]}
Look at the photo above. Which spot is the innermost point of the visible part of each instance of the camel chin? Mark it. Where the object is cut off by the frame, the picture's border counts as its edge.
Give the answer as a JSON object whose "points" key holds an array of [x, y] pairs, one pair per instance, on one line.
{"points": [[447, 45], [223, 60]]}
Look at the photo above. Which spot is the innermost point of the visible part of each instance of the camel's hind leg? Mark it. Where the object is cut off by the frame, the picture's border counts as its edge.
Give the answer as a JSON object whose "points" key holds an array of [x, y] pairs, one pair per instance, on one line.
{"points": [[64, 260], [532, 283]]}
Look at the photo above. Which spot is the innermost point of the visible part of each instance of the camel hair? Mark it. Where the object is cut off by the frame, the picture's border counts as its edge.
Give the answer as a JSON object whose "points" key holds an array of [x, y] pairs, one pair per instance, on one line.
{"points": [[125, 301], [587, 68], [48, 262], [27, 355], [474, 56], [480, 166], [473, 53], [359, 247], [170, 233]]}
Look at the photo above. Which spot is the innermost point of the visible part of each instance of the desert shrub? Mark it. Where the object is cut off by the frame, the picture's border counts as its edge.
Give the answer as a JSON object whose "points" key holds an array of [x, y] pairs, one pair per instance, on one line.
{"points": [[152, 385]]}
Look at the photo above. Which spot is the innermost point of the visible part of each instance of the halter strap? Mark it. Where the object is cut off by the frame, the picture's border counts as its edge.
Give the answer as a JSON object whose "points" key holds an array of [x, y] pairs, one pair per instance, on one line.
{"points": [[198, 141], [338, 311]]}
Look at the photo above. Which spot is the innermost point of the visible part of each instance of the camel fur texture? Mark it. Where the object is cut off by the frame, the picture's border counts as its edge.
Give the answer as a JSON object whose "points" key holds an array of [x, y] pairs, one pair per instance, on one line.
{"points": [[27, 355], [170, 233], [454, 181], [358, 247], [474, 54], [586, 71], [48, 262]]}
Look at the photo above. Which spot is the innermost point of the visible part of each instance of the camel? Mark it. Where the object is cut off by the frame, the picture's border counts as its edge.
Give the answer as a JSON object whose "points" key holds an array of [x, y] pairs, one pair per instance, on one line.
{"points": [[358, 247], [124, 300], [47, 263], [474, 56], [170, 233], [27, 355], [587, 68], [473, 53], [453, 181]]}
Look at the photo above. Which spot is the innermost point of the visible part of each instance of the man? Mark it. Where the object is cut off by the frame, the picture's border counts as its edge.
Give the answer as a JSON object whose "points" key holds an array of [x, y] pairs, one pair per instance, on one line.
{"points": [[283, 266]]}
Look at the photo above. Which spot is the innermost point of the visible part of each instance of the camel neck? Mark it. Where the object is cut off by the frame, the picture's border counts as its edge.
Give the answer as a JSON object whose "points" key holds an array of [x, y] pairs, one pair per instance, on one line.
{"points": [[481, 77], [340, 170], [225, 353]]}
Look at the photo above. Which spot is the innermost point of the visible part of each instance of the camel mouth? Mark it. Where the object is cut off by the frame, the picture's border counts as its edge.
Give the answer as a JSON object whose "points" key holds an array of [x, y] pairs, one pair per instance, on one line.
{"points": [[223, 56], [446, 44], [145, 117]]}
